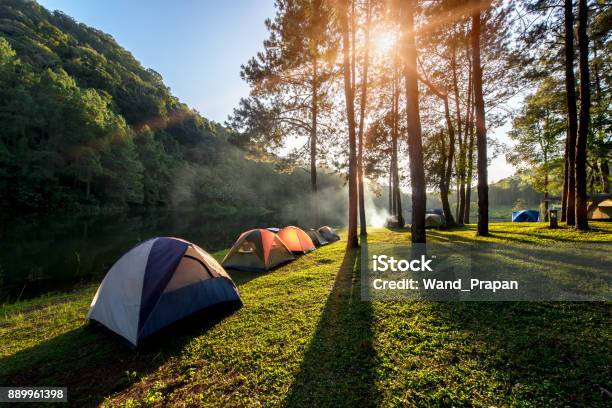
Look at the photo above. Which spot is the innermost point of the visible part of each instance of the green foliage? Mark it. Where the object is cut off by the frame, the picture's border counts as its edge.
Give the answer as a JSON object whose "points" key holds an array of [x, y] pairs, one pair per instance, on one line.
{"points": [[83, 125], [539, 133]]}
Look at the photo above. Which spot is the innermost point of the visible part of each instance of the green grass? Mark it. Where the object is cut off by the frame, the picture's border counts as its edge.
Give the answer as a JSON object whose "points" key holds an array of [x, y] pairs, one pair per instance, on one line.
{"points": [[305, 338]]}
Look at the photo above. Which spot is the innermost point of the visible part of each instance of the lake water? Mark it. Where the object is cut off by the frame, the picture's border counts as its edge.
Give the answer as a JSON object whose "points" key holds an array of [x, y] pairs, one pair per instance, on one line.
{"points": [[56, 254], [59, 253]]}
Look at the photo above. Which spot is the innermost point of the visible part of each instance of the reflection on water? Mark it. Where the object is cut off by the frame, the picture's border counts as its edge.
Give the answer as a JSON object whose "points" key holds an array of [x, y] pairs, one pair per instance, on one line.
{"points": [[56, 254]]}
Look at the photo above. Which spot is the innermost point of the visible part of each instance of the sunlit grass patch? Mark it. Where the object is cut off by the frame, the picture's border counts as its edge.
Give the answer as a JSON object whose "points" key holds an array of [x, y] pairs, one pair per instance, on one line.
{"points": [[305, 338]]}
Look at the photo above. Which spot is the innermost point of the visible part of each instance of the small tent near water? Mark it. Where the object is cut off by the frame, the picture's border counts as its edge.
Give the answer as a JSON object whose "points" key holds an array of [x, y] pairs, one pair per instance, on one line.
{"points": [[296, 240], [257, 250], [434, 220], [158, 282], [329, 234], [438, 211], [525, 216]]}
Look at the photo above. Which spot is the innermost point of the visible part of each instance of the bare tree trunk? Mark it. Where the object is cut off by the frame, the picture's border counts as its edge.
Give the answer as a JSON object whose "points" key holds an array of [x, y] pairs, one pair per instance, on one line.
{"points": [[313, 143], [391, 186], [398, 208], [546, 187], [415, 147], [582, 222], [605, 176], [592, 177], [469, 133], [481, 130], [470, 169], [460, 163], [362, 109], [353, 31], [572, 115], [565, 181], [448, 214], [352, 240], [442, 184], [397, 198]]}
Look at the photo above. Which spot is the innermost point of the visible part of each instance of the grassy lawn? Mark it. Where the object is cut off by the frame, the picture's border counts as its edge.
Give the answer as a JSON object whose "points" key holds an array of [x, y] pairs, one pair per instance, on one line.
{"points": [[305, 338]]}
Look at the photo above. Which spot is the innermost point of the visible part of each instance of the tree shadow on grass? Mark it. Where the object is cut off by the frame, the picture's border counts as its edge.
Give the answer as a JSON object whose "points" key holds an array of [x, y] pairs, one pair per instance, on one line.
{"points": [[339, 366], [552, 353], [94, 363]]}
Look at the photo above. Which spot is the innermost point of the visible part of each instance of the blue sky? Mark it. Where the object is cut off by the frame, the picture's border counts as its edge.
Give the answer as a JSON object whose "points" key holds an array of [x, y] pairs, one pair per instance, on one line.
{"points": [[197, 46]]}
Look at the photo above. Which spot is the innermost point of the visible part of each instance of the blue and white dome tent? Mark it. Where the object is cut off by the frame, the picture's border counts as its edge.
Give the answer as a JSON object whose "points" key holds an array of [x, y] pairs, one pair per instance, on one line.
{"points": [[156, 283], [526, 216]]}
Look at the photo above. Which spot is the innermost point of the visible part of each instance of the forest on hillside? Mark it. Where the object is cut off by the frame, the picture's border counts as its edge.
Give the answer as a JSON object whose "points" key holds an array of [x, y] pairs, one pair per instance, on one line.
{"points": [[84, 127]]}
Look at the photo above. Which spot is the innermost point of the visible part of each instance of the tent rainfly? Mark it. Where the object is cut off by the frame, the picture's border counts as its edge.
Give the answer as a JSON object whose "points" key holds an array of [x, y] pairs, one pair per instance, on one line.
{"points": [[257, 250], [329, 234], [157, 283], [525, 216], [317, 239], [438, 211], [296, 240]]}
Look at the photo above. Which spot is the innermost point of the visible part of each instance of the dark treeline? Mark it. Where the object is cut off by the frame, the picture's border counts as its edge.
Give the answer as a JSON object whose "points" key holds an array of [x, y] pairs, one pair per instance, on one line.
{"points": [[84, 126]]}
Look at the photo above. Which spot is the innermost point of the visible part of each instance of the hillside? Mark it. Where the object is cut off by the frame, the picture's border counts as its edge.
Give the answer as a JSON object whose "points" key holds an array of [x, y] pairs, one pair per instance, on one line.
{"points": [[85, 126]]}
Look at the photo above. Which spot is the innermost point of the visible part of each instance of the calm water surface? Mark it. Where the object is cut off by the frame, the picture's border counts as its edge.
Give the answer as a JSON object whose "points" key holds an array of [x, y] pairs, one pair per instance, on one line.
{"points": [[58, 254]]}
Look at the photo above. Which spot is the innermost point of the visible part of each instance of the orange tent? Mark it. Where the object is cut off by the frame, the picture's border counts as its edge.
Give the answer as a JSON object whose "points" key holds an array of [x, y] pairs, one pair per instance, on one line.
{"points": [[296, 239], [257, 250]]}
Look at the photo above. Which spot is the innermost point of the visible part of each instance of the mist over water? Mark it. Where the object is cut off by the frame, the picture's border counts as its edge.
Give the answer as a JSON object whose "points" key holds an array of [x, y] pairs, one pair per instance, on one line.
{"points": [[55, 254], [211, 205]]}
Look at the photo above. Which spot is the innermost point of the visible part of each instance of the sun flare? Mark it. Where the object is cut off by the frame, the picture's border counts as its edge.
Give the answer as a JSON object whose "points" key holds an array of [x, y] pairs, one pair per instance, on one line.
{"points": [[383, 41]]}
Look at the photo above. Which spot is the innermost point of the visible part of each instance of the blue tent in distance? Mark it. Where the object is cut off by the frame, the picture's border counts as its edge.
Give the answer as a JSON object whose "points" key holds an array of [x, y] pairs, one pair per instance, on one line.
{"points": [[526, 216]]}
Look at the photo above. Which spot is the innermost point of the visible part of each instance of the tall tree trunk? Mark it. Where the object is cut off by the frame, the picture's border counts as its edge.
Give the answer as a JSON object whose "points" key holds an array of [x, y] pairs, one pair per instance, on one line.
{"points": [[565, 180], [352, 239], [481, 130], [605, 176], [448, 214], [582, 222], [397, 198], [391, 186], [442, 184], [362, 110], [592, 177], [572, 115], [415, 146], [353, 31], [469, 134], [313, 143], [546, 187], [398, 208], [460, 163], [470, 169]]}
